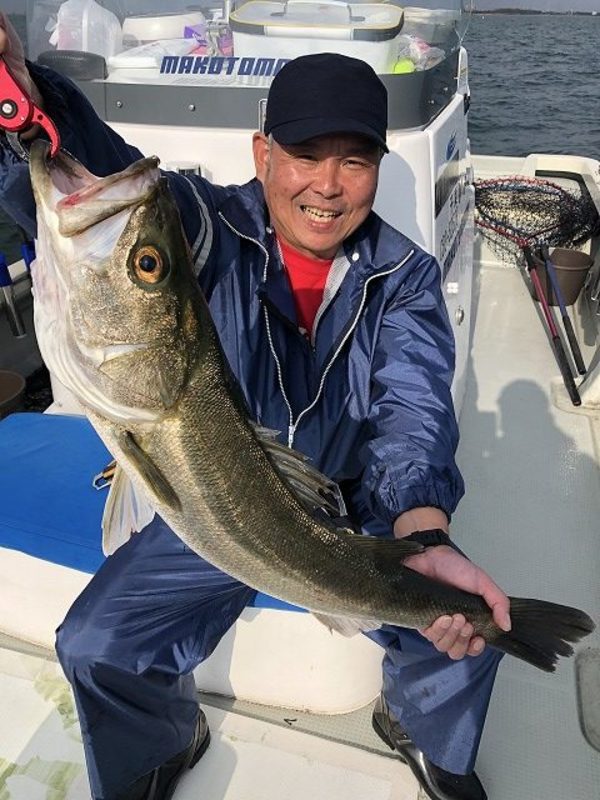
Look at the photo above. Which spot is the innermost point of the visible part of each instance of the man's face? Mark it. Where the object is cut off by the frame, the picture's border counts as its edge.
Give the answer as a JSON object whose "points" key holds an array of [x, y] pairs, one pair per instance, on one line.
{"points": [[320, 191]]}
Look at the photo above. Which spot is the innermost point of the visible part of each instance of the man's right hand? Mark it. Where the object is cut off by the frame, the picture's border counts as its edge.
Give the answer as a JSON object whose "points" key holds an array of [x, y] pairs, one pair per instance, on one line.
{"points": [[12, 51], [452, 634]]}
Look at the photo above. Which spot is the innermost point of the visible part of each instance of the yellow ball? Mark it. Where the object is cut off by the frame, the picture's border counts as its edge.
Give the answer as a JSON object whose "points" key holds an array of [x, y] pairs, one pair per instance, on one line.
{"points": [[403, 66]]}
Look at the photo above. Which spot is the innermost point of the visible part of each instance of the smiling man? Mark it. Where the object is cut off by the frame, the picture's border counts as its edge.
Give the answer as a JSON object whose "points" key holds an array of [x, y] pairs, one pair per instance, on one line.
{"points": [[335, 327], [320, 164]]}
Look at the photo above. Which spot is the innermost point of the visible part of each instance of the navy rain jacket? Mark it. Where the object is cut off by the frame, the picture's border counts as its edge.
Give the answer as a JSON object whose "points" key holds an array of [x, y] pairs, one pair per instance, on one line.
{"points": [[368, 398]]}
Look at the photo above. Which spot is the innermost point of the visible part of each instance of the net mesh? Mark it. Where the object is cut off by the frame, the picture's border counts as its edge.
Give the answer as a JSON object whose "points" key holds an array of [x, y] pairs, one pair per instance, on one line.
{"points": [[516, 211]]}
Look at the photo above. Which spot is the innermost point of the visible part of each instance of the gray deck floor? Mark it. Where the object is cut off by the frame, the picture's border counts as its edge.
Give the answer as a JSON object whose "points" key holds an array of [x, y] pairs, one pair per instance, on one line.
{"points": [[531, 517]]}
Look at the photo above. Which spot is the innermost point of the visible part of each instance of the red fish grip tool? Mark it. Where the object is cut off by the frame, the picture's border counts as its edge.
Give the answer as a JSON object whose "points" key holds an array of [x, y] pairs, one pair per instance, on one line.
{"points": [[18, 111]]}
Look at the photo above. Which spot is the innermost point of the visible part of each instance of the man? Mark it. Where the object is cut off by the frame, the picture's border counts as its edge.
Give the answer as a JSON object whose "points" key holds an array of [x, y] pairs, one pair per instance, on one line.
{"points": [[336, 329]]}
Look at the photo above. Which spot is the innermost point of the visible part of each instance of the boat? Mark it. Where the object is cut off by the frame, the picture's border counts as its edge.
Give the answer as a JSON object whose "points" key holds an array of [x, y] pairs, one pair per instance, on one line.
{"points": [[289, 704]]}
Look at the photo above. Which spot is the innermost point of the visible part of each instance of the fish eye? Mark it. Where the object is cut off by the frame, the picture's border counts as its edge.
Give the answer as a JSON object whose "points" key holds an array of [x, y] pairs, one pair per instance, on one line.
{"points": [[148, 265]]}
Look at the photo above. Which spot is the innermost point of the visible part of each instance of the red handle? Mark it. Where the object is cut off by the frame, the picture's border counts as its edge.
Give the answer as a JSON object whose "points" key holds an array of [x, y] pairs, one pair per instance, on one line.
{"points": [[18, 111], [16, 107]]}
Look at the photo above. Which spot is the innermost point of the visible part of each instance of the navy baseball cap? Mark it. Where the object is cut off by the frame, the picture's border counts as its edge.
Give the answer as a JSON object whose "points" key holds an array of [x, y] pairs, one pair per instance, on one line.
{"points": [[326, 93]]}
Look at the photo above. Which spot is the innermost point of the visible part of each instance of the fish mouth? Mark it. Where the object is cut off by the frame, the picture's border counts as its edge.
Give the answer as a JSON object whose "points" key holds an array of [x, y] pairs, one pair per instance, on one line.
{"points": [[65, 172], [81, 199]]}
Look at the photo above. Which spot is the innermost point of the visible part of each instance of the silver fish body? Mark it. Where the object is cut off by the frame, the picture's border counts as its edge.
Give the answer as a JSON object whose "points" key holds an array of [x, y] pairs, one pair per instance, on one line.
{"points": [[122, 323]]}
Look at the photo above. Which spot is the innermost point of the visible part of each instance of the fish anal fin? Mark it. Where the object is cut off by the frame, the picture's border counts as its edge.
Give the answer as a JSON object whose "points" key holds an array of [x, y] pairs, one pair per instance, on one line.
{"points": [[152, 476], [347, 626]]}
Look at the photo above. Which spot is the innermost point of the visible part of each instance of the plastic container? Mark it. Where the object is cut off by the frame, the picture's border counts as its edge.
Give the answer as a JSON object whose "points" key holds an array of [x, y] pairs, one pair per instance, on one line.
{"points": [[86, 26], [157, 26], [150, 54], [434, 26], [571, 268], [264, 29], [12, 392]]}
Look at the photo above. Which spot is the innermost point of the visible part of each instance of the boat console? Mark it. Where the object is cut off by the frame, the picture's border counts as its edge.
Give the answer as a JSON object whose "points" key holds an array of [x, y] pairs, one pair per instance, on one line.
{"points": [[191, 85]]}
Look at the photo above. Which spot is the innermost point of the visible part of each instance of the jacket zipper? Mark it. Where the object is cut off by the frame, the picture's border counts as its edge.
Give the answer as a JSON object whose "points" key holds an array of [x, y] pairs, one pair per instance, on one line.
{"points": [[293, 425], [268, 327]]}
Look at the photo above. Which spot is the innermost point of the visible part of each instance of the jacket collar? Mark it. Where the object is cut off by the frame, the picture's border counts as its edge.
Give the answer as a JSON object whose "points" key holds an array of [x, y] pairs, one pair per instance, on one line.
{"points": [[374, 248], [245, 209]]}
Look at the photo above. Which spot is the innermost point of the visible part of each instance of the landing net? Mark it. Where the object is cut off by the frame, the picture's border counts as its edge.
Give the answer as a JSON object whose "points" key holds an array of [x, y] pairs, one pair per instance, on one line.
{"points": [[516, 211]]}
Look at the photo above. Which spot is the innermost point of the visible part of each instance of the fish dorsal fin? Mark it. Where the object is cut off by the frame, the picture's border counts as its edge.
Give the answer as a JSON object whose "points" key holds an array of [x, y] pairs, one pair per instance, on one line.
{"points": [[156, 482], [314, 491], [126, 511]]}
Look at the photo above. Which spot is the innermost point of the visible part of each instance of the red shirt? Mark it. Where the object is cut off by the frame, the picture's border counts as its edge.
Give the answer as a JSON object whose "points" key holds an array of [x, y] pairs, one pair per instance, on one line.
{"points": [[307, 277]]}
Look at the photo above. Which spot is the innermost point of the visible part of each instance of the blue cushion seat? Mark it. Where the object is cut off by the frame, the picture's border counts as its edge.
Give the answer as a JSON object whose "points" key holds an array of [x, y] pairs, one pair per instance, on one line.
{"points": [[48, 506]]}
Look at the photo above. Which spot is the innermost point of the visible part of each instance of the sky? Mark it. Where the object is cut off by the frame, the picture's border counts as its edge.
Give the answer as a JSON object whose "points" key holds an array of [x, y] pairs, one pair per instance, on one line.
{"points": [[539, 5]]}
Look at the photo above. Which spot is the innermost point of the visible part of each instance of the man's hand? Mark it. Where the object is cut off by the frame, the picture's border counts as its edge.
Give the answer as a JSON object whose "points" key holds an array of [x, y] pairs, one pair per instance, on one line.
{"points": [[12, 51], [453, 634]]}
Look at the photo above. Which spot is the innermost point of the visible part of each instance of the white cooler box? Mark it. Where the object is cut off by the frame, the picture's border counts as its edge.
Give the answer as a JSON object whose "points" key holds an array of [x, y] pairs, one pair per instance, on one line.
{"points": [[368, 31]]}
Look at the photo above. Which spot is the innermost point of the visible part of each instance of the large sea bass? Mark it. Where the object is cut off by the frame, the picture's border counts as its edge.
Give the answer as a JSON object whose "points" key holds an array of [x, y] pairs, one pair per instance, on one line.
{"points": [[122, 323]]}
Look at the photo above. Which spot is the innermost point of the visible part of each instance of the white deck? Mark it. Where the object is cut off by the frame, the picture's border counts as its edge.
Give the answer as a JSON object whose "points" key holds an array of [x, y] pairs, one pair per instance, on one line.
{"points": [[531, 517], [42, 756]]}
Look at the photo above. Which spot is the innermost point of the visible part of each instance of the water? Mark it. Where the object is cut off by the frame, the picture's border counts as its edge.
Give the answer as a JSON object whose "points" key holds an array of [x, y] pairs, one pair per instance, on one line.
{"points": [[534, 84]]}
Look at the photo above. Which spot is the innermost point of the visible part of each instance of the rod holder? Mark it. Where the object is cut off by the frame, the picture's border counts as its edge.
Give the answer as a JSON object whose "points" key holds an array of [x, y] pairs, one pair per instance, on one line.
{"points": [[15, 320]]}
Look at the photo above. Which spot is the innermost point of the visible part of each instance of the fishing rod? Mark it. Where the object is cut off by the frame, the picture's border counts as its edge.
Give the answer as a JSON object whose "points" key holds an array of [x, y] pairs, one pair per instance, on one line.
{"points": [[568, 326], [7, 295], [559, 352]]}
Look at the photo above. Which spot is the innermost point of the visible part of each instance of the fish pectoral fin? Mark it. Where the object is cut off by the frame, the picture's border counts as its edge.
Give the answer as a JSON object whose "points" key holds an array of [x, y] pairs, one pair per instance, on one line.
{"points": [[347, 626], [156, 482], [126, 511]]}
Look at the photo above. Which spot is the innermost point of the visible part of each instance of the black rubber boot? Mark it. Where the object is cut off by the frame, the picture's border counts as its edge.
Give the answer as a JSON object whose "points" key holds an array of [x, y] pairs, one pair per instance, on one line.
{"points": [[160, 784], [436, 782]]}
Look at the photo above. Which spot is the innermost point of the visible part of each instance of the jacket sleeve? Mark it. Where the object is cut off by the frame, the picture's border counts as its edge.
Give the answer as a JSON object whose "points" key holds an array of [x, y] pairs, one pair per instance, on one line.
{"points": [[409, 458], [101, 150]]}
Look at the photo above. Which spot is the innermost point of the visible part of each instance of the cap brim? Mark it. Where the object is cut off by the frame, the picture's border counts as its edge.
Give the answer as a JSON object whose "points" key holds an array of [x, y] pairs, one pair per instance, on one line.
{"points": [[303, 129]]}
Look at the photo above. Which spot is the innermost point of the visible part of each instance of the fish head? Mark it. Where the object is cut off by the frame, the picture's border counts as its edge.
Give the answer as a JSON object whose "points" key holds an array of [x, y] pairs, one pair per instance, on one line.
{"points": [[116, 299]]}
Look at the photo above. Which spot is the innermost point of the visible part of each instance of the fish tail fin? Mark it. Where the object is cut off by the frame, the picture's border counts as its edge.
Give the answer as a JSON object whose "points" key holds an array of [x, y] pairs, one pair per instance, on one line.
{"points": [[541, 631]]}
